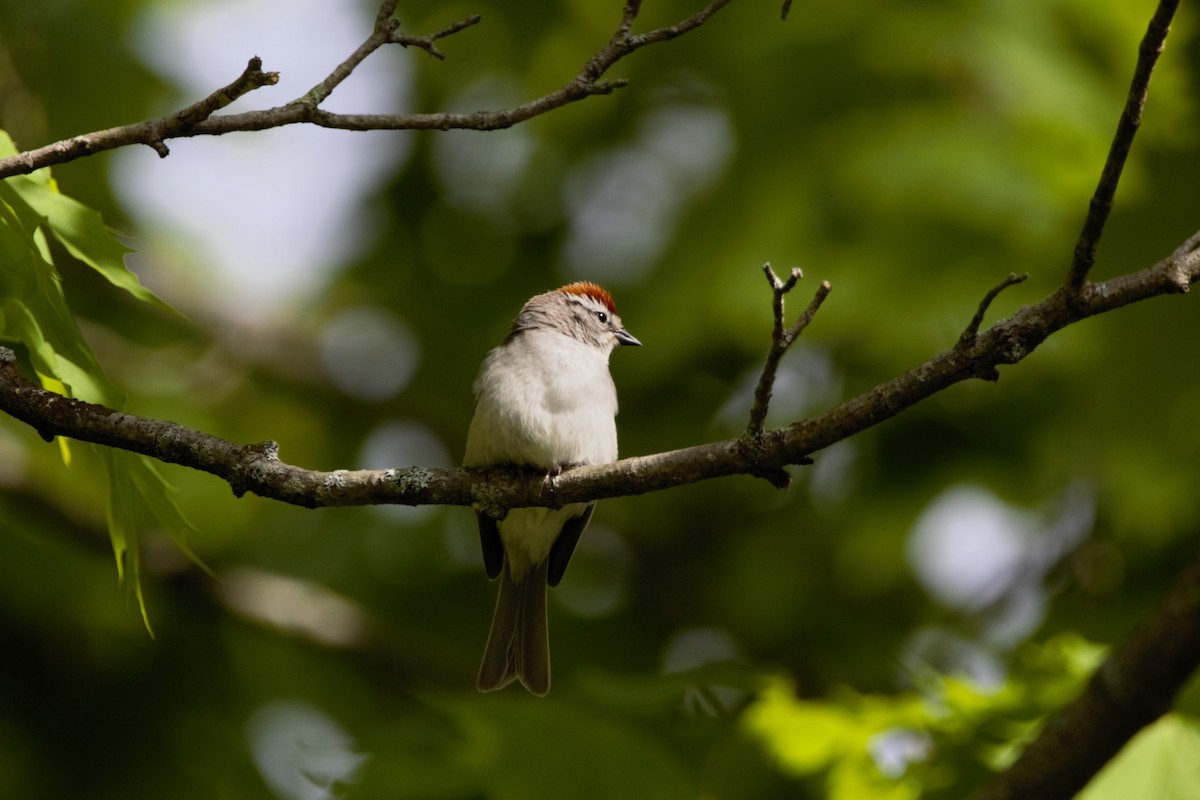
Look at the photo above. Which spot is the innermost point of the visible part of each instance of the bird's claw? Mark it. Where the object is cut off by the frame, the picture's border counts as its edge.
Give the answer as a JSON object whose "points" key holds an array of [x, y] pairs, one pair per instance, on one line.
{"points": [[550, 479]]}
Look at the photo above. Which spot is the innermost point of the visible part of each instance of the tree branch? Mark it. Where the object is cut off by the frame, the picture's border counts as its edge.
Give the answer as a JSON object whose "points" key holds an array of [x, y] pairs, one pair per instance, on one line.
{"points": [[779, 345], [971, 334], [781, 340], [972, 331], [1134, 686], [151, 132], [1131, 117], [197, 120], [386, 32], [257, 468]]}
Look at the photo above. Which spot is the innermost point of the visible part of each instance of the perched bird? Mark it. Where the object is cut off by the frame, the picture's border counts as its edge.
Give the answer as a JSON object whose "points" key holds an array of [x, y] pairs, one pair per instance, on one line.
{"points": [[543, 399]]}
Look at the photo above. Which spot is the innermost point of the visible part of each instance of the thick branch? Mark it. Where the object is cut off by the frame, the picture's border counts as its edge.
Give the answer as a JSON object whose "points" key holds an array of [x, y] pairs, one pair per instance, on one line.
{"points": [[1131, 117], [1134, 686], [256, 468], [305, 109]]}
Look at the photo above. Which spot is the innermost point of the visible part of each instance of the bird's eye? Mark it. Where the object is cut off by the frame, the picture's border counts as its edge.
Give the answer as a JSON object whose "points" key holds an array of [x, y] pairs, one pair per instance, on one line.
{"points": [[600, 315]]}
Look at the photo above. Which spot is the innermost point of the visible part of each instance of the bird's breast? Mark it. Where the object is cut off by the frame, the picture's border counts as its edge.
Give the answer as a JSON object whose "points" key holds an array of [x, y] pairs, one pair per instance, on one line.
{"points": [[543, 403]]}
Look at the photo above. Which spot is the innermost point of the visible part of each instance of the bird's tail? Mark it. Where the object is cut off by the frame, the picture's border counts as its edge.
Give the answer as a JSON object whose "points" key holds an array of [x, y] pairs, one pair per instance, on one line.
{"points": [[518, 646]]}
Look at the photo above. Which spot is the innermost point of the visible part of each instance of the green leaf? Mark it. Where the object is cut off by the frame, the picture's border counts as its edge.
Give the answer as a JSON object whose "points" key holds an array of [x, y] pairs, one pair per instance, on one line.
{"points": [[121, 514], [34, 312], [1163, 762], [82, 231], [36, 309], [158, 494]]}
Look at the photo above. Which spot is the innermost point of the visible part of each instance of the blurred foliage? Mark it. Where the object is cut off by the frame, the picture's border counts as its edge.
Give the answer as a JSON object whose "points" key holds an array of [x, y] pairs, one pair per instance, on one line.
{"points": [[717, 640], [882, 746]]}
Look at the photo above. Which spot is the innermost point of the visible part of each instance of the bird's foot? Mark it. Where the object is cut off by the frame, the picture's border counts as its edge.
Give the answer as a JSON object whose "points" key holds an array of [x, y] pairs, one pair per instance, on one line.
{"points": [[551, 479]]}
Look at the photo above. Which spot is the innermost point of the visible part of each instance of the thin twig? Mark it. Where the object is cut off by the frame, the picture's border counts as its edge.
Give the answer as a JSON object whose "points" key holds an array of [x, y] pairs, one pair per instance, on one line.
{"points": [[668, 32], [151, 132], [428, 43], [251, 78], [777, 475], [1131, 117], [814, 305], [386, 32], [972, 331], [779, 345], [781, 339]]}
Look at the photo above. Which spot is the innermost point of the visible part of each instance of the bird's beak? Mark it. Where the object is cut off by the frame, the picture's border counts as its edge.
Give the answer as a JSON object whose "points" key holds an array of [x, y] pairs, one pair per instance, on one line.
{"points": [[625, 337]]}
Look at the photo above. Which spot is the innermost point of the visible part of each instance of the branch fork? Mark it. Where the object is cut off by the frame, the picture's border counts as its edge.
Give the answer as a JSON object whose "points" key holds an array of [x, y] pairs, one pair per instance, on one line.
{"points": [[1184, 258], [781, 339], [1127, 126]]}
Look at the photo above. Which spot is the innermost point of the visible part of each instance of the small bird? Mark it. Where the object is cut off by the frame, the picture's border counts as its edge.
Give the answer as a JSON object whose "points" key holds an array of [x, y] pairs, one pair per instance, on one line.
{"points": [[545, 399]]}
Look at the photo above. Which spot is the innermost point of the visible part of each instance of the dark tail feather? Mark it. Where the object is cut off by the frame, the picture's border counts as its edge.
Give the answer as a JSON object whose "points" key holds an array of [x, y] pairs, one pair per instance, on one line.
{"points": [[518, 646]]}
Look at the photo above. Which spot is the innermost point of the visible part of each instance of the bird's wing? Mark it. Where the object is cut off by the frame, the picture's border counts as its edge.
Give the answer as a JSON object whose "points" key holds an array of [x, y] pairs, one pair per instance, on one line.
{"points": [[564, 545], [493, 548]]}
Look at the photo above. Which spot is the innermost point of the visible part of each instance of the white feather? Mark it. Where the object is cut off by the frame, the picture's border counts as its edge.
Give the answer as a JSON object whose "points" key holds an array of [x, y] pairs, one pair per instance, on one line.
{"points": [[547, 400]]}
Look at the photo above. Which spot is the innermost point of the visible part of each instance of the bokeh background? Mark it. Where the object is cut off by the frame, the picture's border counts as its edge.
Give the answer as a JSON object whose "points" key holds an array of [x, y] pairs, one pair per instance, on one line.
{"points": [[340, 290]]}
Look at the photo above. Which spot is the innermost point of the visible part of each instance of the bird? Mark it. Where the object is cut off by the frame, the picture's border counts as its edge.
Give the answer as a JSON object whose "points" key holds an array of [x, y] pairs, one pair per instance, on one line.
{"points": [[544, 399]]}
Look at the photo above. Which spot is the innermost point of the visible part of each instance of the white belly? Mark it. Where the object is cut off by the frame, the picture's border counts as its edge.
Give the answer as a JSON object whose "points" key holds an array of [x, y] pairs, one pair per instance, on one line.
{"points": [[529, 533]]}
